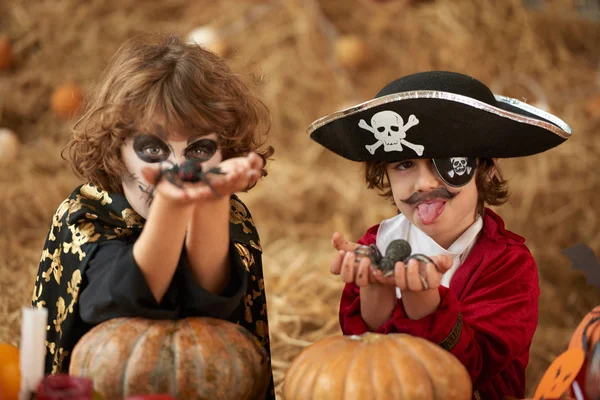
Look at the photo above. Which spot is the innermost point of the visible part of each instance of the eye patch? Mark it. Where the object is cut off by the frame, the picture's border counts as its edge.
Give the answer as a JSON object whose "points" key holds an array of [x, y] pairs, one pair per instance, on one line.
{"points": [[455, 171]]}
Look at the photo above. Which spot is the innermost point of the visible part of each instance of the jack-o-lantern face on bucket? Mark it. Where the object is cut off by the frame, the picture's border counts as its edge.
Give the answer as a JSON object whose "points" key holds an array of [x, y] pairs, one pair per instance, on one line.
{"points": [[587, 337], [592, 380], [560, 374], [587, 333]]}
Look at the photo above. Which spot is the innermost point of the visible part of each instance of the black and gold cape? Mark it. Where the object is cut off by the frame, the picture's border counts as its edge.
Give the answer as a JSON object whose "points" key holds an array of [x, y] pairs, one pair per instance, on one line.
{"points": [[90, 217]]}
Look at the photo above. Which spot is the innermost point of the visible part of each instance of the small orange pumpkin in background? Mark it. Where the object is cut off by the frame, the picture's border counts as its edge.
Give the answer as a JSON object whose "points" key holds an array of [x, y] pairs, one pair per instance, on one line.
{"points": [[6, 52], [67, 99], [193, 358], [374, 366], [10, 374], [351, 51]]}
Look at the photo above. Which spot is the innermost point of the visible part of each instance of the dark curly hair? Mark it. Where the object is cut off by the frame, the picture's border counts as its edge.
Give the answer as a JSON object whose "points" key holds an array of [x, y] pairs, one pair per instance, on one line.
{"points": [[491, 186], [189, 87]]}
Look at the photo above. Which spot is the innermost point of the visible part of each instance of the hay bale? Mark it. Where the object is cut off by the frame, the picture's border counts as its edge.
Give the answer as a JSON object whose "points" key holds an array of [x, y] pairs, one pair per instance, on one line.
{"points": [[306, 196]]}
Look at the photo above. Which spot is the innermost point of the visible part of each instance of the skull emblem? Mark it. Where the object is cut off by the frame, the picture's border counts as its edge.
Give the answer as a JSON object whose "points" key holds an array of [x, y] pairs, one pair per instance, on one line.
{"points": [[239, 215], [459, 166], [387, 127]]}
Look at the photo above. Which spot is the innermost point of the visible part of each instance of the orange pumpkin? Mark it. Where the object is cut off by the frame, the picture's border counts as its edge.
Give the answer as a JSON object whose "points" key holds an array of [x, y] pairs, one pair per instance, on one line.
{"points": [[6, 52], [375, 366], [66, 100], [194, 358], [351, 51], [10, 374]]}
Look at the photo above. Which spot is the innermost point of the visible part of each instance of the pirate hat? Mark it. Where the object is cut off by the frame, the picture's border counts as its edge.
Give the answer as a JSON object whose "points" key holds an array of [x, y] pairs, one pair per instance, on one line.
{"points": [[438, 114]]}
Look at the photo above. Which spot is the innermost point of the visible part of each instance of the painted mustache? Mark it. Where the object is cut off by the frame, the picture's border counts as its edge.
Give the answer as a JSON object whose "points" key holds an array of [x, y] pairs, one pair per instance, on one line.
{"points": [[440, 193]]}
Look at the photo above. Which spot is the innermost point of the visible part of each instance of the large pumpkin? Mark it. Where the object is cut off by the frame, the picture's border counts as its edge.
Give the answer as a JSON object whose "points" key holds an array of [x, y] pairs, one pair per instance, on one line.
{"points": [[375, 366], [194, 358]]}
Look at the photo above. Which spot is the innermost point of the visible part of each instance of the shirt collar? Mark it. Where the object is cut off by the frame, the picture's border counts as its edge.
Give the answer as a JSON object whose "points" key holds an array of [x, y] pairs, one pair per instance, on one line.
{"points": [[399, 227]]}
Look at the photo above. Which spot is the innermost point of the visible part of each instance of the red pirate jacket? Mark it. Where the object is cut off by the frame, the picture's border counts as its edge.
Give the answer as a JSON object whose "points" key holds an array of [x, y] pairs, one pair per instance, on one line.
{"points": [[486, 318]]}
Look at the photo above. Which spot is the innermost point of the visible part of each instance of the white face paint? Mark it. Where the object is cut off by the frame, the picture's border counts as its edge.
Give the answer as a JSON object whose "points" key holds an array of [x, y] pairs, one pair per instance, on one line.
{"points": [[145, 150]]}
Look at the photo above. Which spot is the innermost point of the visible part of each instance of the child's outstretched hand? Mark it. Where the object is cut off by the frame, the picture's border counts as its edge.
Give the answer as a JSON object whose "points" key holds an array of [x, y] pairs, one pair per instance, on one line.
{"points": [[237, 174], [344, 263], [417, 276]]}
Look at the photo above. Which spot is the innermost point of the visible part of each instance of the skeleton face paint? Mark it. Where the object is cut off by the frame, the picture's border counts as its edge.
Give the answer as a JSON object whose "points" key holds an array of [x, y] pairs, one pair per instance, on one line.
{"points": [[145, 150], [455, 171], [151, 148], [201, 150]]}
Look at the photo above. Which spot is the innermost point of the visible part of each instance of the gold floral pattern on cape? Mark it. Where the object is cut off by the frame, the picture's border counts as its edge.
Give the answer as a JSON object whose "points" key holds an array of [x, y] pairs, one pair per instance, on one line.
{"points": [[90, 216]]}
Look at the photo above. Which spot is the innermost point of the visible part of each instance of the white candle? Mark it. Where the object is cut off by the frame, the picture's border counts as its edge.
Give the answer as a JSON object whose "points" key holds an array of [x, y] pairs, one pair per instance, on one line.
{"points": [[33, 338]]}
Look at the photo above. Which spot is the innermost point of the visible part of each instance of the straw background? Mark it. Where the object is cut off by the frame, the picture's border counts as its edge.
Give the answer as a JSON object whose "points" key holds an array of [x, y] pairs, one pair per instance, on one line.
{"points": [[548, 56]]}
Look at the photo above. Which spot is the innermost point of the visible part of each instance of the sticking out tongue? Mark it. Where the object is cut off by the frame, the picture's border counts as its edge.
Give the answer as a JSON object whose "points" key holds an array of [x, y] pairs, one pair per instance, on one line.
{"points": [[428, 212]]}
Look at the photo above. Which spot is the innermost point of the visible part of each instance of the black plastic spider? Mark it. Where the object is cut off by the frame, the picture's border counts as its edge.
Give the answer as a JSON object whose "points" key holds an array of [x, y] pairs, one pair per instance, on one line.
{"points": [[189, 171], [397, 250]]}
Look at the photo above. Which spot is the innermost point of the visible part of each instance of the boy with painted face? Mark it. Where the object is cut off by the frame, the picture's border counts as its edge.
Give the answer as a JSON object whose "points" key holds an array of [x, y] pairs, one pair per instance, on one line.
{"points": [[430, 142], [138, 240]]}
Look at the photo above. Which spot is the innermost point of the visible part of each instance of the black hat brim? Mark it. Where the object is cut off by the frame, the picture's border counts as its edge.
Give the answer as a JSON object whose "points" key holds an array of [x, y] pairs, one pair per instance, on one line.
{"points": [[449, 125]]}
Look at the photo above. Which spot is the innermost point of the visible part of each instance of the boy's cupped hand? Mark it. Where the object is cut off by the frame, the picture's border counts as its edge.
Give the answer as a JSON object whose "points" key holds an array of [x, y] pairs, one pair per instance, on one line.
{"points": [[237, 174], [418, 276], [414, 276], [344, 263]]}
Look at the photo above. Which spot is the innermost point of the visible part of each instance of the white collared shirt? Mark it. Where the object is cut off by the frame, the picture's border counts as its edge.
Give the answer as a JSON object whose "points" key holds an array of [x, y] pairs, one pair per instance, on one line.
{"points": [[399, 227]]}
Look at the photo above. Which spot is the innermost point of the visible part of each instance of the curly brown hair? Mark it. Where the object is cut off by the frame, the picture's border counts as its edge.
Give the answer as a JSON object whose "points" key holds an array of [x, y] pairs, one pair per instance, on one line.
{"points": [[189, 87], [491, 186]]}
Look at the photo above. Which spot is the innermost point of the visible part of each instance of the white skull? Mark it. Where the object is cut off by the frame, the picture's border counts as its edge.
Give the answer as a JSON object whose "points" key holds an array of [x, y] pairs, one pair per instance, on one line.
{"points": [[459, 165], [388, 127]]}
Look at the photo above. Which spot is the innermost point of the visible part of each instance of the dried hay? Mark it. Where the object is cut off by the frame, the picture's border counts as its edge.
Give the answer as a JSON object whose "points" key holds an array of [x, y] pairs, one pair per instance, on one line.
{"points": [[548, 57]]}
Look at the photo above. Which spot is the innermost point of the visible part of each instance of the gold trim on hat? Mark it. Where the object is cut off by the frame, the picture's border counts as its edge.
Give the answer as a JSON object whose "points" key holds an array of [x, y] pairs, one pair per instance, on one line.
{"points": [[558, 126]]}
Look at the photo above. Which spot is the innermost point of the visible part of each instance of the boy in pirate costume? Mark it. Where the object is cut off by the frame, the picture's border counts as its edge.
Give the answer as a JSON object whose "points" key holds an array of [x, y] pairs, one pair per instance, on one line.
{"points": [[130, 244], [430, 141]]}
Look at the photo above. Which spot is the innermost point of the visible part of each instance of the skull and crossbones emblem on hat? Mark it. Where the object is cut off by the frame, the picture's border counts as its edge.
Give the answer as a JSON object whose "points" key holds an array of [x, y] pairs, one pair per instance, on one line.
{"points": [[389, 129]]}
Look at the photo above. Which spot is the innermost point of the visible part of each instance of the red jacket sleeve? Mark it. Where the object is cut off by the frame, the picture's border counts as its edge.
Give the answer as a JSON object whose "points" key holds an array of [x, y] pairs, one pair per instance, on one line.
{"points": [[487, 330]]}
